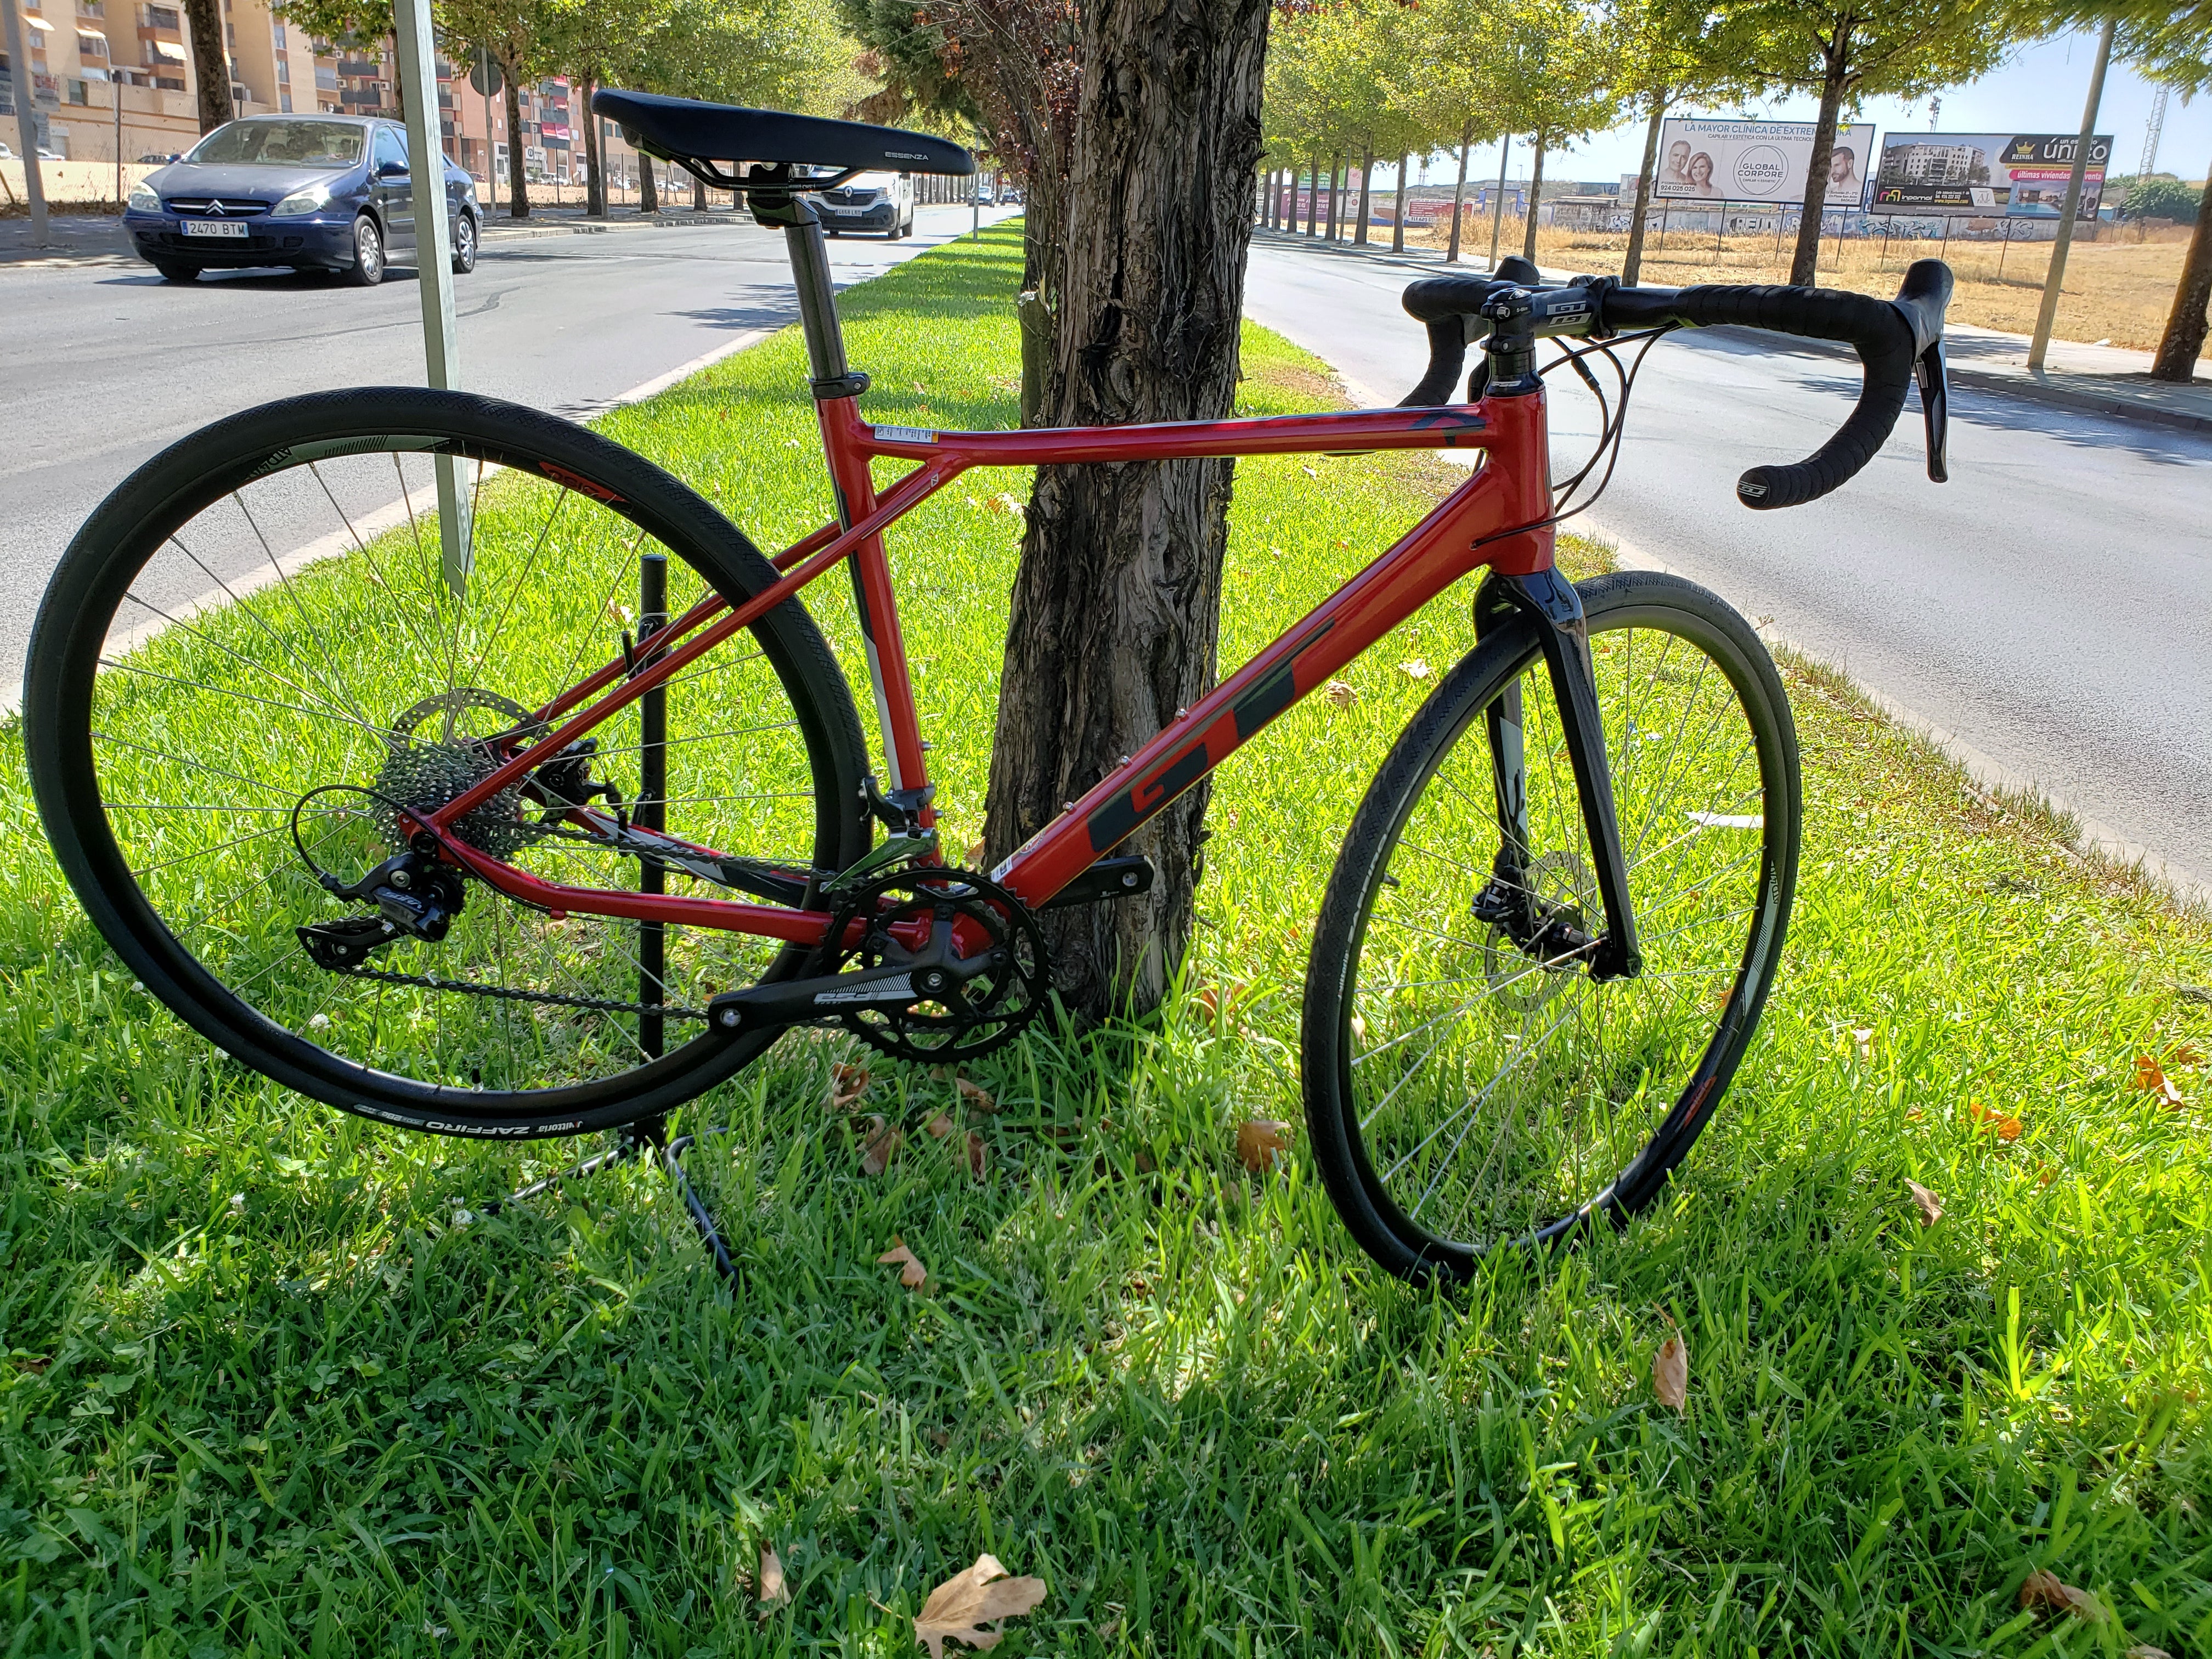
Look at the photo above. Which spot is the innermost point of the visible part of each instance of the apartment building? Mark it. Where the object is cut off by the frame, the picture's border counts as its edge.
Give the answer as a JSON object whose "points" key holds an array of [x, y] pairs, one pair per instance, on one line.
{"points": [[86, 56]]}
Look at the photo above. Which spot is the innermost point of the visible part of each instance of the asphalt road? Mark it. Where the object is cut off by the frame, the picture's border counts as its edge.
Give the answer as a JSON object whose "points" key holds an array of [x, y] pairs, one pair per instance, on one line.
{"points": [[2049, 609], [106, 366]]}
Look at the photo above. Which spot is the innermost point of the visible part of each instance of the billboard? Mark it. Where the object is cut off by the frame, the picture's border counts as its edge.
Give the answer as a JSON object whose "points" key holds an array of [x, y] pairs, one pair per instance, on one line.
{"points": [[1986, 175], [1757, 162]]}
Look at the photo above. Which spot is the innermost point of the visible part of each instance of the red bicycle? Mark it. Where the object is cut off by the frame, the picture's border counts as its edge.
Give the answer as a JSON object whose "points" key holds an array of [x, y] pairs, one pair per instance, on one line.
{"points": [[455, 766]]}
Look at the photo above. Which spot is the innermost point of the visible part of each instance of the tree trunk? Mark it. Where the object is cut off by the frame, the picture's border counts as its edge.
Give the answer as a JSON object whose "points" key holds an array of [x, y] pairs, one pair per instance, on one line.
{"points": [[1536, 193], [2184, 340], [595, 179], [1459, 192], [1804, 263], [1398, 214], [648, 194], [211, 65], [518, 188], [1497, 215], [1335, 197], [1633, 264], [1116, 604], [1312, 197], [698, 194], [1366, 179]]}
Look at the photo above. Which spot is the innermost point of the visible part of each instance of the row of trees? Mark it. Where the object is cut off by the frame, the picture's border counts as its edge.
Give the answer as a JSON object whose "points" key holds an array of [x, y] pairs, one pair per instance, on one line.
{"points": [[784, 54], [1369, 80]]}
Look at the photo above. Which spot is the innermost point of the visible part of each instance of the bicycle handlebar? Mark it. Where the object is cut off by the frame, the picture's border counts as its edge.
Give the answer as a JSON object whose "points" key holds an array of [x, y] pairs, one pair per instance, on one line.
{"points": [[1898, 341]]}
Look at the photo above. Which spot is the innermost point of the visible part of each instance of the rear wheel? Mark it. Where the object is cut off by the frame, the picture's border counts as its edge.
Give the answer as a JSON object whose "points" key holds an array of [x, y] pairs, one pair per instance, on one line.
{"points": [[465, 244], [251, 662], [1468, 1084]]}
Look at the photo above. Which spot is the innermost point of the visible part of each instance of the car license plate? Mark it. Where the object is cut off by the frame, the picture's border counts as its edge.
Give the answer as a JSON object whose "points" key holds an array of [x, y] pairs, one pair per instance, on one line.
{"points": [[214, 228]]}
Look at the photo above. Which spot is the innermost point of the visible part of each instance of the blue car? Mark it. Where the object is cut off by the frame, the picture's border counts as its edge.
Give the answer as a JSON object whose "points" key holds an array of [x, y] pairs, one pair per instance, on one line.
{"points": [[316, 192]]}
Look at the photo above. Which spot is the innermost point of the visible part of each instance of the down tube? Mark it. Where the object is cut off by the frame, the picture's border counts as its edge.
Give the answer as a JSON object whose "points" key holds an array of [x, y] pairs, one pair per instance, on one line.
{"points": [[1430, 557]]}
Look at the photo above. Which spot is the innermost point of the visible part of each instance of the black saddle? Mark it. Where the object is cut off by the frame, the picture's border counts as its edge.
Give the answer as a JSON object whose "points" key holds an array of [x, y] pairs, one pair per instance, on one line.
{"points": [[696, 135]]}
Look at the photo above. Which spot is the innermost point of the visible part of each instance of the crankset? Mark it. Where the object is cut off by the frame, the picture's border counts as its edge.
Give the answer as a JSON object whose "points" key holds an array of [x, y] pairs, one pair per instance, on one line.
{"points": [[923, 963]]}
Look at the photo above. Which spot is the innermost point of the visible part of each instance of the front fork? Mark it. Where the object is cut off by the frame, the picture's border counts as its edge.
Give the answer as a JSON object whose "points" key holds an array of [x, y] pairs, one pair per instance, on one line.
{"points": [[1550, 600]]}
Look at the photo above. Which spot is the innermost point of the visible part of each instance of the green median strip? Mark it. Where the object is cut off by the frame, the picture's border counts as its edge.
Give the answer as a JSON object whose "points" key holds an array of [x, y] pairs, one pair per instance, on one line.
{"points": [[264, 1384]]}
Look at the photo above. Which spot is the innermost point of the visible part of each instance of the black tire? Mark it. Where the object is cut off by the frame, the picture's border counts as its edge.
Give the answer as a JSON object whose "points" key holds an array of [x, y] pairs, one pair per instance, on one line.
{"points": [[178, 270], [370, 257], [1594, 1121], [273, 687], [465, 243]]}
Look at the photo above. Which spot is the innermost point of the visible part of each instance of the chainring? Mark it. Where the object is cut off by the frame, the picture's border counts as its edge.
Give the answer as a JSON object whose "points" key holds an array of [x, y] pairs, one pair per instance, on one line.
{"points": [[970, 1018]]}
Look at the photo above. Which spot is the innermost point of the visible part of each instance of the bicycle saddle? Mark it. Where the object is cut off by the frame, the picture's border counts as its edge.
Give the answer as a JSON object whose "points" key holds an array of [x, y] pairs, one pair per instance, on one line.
{"points": [[688, 132]]}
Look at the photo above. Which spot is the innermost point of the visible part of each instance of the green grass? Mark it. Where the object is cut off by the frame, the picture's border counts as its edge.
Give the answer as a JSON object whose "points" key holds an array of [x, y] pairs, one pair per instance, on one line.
{"points": [[261, 1393]]}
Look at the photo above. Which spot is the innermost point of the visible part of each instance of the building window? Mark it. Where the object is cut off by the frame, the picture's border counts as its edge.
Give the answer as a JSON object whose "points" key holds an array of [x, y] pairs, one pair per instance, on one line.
{"points": [[91, 7], [161, 17], [326, 80], [284, 102], [283, 72], [76, 92], [277, 34]]}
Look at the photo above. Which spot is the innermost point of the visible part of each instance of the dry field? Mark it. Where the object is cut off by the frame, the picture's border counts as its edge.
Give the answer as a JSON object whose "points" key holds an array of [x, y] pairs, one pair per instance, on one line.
{"points": [[2119, 289]]}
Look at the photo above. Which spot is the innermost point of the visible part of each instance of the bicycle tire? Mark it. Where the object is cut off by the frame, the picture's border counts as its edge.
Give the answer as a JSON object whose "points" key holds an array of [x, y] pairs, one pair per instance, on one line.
{"points": [[234, 462], [1534, 1182]]}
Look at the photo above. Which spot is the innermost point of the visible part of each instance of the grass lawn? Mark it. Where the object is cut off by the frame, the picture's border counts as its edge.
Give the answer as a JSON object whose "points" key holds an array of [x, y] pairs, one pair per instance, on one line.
{"points": [[264, 1389]]}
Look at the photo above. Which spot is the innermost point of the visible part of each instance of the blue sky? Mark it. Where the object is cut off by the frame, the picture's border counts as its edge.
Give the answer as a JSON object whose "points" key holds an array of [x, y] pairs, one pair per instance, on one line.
{"points": [[2040, 90]]}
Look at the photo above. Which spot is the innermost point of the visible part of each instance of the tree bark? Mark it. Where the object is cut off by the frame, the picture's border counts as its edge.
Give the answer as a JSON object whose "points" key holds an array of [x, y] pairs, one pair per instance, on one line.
{"points": [[1459, 192], [1804, 263], [1116, 604], [1536, 193], [648, 195], [211, 65], [1367, 181], [1335, 197], [2184, 340], [1312, 197], [595, 179], [518, 188], [1632, 266], [1398, 214], [698, 194]]}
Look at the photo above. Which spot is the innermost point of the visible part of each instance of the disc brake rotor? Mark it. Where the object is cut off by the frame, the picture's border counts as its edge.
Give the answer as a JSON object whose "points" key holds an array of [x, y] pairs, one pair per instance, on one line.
{"points": [[1519, 982]]}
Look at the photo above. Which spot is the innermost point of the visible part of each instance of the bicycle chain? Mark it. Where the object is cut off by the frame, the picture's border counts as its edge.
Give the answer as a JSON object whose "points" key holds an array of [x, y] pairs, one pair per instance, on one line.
{"points": [[552, 998]]}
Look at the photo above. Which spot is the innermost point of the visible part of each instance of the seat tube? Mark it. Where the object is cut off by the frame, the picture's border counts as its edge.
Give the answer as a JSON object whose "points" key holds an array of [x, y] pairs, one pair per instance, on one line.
{"points": [[834, 383]]}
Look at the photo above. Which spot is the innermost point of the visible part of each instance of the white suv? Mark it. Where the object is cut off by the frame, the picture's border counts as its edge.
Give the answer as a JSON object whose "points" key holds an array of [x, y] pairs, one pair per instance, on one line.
{"points": [[871, 201]]}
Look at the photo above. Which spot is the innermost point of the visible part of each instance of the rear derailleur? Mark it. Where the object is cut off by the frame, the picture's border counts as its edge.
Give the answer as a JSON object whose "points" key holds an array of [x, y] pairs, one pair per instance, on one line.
{"points": [[414, 896]]}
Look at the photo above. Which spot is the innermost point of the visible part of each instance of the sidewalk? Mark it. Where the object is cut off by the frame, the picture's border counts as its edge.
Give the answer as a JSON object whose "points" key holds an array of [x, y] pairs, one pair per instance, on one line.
{"points": [[2097, 379]]}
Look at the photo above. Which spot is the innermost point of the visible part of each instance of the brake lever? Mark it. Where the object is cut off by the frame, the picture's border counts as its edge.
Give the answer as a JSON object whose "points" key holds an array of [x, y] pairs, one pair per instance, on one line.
{"points": [[1935, 409]]}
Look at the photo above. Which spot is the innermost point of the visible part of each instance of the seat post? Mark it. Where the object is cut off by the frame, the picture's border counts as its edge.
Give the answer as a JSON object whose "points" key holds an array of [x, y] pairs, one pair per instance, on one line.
{"points": [[833, 376]]}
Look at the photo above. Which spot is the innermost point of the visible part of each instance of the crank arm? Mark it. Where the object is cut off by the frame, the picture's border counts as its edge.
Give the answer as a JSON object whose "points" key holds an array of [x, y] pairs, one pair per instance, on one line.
{"points": [[799, 1001]]}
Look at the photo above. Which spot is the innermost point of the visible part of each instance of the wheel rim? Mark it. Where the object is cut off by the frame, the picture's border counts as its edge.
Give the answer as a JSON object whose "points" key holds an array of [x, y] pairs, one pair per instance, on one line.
{"points": [[368, 248], [258, 654], [465, 239], [1497, 1093]]}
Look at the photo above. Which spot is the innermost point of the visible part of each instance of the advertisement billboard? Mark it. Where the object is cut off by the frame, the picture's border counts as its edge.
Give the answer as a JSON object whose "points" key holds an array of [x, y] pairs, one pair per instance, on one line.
{"points": [[1757, 162], [1986, 175]]}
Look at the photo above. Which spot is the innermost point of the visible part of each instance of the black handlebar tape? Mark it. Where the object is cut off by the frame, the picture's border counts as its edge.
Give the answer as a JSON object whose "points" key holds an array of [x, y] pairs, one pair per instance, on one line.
{"points": [[1879, 330], [1450, 307]]}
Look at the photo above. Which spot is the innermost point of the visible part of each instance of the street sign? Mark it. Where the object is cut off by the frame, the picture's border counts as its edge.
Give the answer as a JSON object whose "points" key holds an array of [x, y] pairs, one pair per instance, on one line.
{"points": [[484, 77]]}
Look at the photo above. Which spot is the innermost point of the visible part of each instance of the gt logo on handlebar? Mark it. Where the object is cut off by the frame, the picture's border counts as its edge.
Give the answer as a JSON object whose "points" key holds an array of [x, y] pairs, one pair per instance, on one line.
{"points": [[1745, 487]]}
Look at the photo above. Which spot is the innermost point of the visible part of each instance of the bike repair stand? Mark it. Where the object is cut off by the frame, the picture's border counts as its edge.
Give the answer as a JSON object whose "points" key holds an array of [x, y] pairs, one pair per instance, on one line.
{"points": [[648, 1136]]}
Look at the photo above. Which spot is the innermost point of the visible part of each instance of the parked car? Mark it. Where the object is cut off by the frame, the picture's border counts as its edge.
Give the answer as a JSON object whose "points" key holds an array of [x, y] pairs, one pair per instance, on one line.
{"points": [[323, 193], [870, 201], [157, 161]]}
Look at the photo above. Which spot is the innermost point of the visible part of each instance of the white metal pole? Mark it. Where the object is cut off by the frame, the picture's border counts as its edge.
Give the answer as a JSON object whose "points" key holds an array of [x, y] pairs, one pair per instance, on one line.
{"points": [[434, 260], [27, 119], [2047, 314]]}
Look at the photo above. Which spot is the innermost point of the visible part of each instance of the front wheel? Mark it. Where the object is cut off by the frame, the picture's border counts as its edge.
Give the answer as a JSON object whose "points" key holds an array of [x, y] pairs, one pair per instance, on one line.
{"points": [[263, 650], [366, 269], [178, 270], [1467, 1083]]}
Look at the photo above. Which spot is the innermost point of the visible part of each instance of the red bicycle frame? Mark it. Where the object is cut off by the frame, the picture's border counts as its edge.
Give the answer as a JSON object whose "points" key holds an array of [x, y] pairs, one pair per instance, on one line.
{"points": [[1498, 519]]}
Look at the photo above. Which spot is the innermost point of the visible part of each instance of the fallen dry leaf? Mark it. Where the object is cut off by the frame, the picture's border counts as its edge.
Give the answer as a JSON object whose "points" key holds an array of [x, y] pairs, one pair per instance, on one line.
{"points": [[912, 1273], [883, 1144], [2043, 1590], [1340, 694], [2003, 1125], [1415, 668], [977, 1158], [2151, 1079], [1215, 997], [773, 1591], [1004, 502], [847, 1082], [2185, 1053], [2144, 1650], [975, 1096], [1670, 1371], [1259, 1141], [968, 1601], [939, 1126], [1931, 1208], [974, 858]]}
